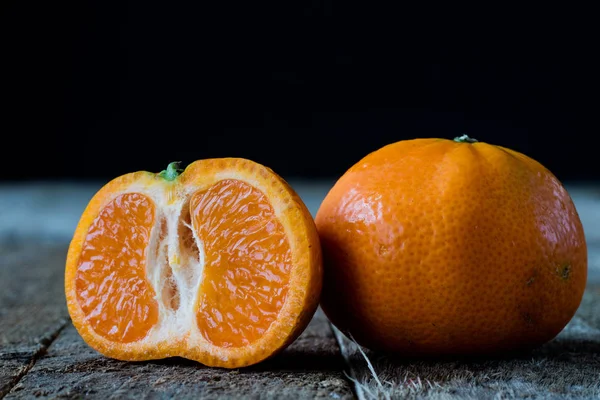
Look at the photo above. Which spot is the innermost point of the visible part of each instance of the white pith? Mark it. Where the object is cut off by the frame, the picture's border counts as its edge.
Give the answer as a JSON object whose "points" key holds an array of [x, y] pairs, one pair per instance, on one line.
{"points": [[165, 254]]}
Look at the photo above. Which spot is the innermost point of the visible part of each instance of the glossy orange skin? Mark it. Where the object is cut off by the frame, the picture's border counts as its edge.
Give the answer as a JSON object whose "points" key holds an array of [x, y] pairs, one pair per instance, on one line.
{"points": [[435, 247]]}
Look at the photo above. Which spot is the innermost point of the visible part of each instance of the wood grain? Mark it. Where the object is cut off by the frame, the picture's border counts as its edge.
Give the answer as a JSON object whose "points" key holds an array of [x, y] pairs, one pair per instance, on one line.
{"points": [[32, 306], [310, 368], [42, 355]]}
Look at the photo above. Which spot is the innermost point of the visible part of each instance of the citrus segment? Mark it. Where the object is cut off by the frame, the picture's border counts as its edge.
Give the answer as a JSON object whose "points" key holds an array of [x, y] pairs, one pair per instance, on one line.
{"points": [[110, 281], [247, 262]]}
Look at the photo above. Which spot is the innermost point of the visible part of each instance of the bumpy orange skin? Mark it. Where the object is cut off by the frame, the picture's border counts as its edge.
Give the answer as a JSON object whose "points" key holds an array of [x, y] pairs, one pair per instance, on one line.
{"points": [[305, 277], [435, 247]]}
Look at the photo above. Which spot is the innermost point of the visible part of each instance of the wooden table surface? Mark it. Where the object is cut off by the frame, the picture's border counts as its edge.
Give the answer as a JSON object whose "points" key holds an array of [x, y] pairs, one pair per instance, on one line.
{"points": [[42, 356]]}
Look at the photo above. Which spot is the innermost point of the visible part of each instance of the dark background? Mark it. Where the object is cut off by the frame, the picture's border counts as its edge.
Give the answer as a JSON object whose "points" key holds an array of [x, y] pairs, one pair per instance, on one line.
{"points": [[94, 90]]}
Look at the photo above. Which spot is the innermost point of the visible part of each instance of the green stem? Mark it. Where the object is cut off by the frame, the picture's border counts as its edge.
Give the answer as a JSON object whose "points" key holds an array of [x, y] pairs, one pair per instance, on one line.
{"points": [[172, 171], [465, 139]]}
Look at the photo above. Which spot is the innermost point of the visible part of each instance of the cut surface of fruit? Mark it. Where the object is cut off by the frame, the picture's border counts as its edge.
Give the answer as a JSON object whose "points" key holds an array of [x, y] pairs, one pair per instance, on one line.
{"points": [[110, 281], [247, 263], [220, 264]]}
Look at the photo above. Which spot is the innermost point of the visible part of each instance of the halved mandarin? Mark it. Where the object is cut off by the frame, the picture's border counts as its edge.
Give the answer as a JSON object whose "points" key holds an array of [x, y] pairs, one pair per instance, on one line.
{"points": [[220, 264]]}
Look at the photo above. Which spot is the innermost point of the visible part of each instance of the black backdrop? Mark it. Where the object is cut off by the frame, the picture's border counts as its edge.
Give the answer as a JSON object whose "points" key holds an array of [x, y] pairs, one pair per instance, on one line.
{"points": [[96, 89]]}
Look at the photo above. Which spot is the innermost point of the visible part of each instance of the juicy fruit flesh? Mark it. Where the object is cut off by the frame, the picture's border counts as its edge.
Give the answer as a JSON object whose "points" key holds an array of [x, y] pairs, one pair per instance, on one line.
{"points": [[110, 282], [247, 261]]}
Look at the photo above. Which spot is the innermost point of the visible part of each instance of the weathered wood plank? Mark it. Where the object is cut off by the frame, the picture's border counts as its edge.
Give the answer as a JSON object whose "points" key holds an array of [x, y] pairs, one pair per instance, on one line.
{"points": [[310, 368], [567, 367], [33, 364], [51, 209], [32, 313], [587, 200], [32, 306]]}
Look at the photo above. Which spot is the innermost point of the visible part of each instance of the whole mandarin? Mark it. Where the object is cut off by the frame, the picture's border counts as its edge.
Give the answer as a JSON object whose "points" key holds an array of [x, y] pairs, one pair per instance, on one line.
{"points": [[450, 247]]}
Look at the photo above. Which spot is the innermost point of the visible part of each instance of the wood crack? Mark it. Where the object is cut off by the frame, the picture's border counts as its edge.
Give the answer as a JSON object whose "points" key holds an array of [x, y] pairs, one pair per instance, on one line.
{"points": [[43, 343]]}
